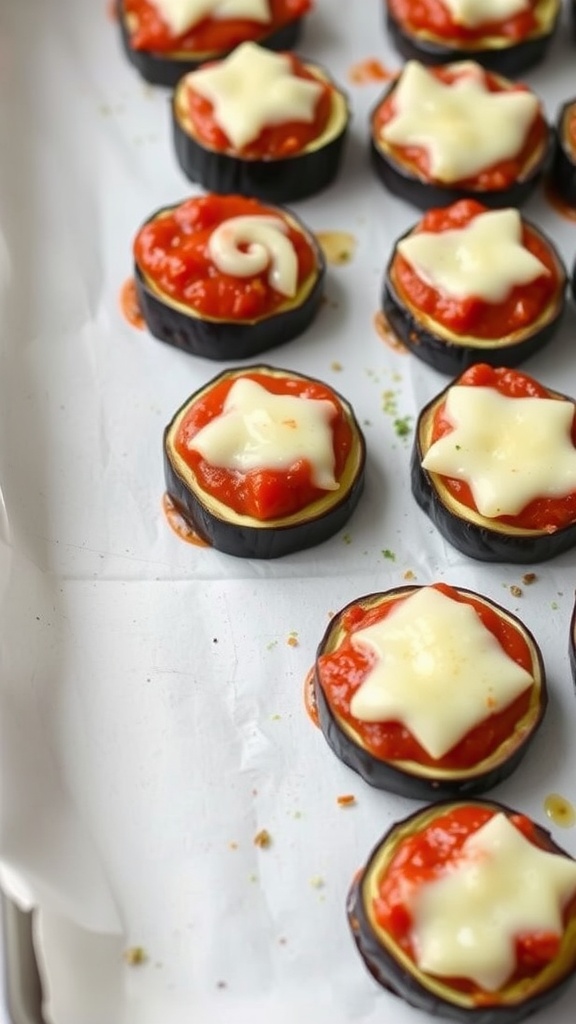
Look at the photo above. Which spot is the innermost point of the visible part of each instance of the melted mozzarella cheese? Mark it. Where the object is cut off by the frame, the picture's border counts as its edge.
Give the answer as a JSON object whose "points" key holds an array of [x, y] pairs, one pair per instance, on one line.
{"points": [[466, 922], [260, 430], [253, 89], [509, 450], [486, 258], [182, 15], [243, 246], [436, 669], [473, 13], [463, 126]]}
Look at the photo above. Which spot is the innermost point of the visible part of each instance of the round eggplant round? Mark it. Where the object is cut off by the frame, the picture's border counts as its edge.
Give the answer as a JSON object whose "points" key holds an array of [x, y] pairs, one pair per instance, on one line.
{"points": [[410, 778], [244, 536], [396, 971], [272, 179], [477, 536], [563, 172], [506, 58], [452, 353], [405, 181], [572, 644], [217, 338], [167, 68]]}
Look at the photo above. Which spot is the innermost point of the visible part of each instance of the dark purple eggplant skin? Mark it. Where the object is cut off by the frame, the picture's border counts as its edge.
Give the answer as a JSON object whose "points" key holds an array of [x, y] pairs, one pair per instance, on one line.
{"points": [[285, 180], [510, 61], [261, 542], [481, 542], [453, 359], [161, 69], [387, 776], [229, 339], [391, 975], [572, 645], [563, 171], [404, 183]]}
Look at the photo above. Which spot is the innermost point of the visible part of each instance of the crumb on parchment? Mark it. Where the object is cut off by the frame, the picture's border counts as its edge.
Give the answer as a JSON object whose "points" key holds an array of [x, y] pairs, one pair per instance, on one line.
{"points": [[346, 800], [263, 839], [516, 591], [409, 575], [528, 578], [292, 640], [317, 882], [135, 956]]}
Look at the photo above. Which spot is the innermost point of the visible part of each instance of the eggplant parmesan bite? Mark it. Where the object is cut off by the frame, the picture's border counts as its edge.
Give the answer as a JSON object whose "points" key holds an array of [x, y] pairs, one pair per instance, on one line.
{"points": [[260, 124], [563, 173], [164, 39], [459, 131], [262, 462], [225, 277], [507, 36], [429, 691], [469, 283], [467, 910], [494, 466]]}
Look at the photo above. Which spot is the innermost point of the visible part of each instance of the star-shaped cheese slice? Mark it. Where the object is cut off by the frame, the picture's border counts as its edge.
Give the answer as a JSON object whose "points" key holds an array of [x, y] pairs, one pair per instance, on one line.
{"points": [[182, 15], [465, 923], [259, 430], [253, 89], [463, 126], [472, 13], [509, 450], [486, 258], [436, 669]]}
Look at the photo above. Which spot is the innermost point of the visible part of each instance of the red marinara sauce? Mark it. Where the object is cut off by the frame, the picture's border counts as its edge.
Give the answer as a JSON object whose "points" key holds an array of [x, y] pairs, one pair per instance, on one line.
{"points": [[172, 251], [570, 123], [426, 856], [433, 17], [263, 494], [211, 35], [547, 514], [496, 177], [343, 671], [474, 316], [274, 142]]}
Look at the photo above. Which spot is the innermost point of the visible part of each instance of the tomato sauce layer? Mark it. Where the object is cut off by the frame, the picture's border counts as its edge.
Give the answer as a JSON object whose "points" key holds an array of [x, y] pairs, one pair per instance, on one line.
{"points": [[343, 671], [498, 176], [428, 855], [433, 18], [263, 494], [570, 131], [172, 251], [547, 514], [274, 141], [211, 35], [474, 316]]}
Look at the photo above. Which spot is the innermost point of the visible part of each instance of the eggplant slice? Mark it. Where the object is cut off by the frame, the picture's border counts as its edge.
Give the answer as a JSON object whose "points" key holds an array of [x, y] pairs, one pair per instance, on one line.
{"points": [[395, 971], [242, 535], [409, 778], [563, 173]]}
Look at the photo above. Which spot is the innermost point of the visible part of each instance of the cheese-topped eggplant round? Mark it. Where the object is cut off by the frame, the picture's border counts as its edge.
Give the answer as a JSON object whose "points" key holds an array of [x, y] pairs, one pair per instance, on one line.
{"points": [[261, 124], [262, 462], [164, 39], [225, 277], [445, 133], [507, 36], [563, 174], [467, 910], [469, 283], [429, 691], [494, 466]]}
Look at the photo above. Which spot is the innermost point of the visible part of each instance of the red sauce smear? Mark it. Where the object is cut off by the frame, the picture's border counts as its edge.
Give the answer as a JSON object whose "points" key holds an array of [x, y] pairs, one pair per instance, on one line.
{"points": [[368, 71], [211, 35], [387, 334], [343, 671], [433, 16], [310, 698], [558, 204], [474, 316], [172, 251], [428, 855], [263, 494], [129, 305], [547, 514], [178, 524], [496, 177], [274, 142], [112, 12]]}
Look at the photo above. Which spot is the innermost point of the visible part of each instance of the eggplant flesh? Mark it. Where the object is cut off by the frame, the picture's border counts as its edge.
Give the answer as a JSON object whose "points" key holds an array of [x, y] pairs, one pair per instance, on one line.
{"points": [[244, 536], [393, 970], [408, 778], [563, 173], [167, 68], [474, 535], [572, 645]]}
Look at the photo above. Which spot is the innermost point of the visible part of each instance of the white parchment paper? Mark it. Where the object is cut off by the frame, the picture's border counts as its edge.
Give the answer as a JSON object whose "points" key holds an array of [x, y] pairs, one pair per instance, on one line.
{"points": [[151, 711]]}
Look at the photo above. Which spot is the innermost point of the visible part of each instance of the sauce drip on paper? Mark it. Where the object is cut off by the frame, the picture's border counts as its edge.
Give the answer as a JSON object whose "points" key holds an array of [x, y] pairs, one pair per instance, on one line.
{"points": [[178, 524], [310, 698], [560, 810], [129, 305]]}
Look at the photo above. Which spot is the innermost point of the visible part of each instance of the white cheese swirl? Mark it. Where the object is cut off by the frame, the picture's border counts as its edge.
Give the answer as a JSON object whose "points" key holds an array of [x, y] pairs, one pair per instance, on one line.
{"points": [[247, 245]]}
